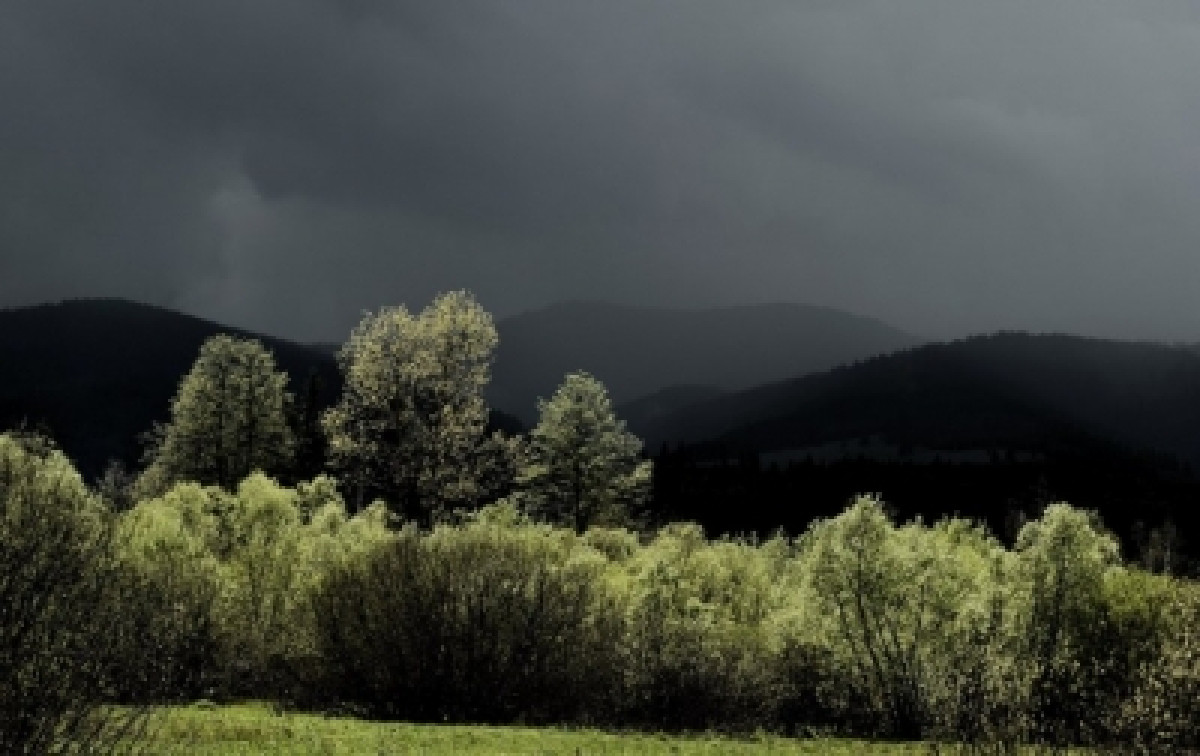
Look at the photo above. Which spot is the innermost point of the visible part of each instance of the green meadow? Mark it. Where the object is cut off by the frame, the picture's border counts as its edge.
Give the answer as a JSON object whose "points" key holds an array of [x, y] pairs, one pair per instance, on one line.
{"points": [[262, 729]]}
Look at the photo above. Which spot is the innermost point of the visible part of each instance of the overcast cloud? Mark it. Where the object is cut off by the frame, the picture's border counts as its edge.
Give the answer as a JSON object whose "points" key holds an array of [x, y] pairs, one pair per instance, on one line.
{"points": [[946, 165]]}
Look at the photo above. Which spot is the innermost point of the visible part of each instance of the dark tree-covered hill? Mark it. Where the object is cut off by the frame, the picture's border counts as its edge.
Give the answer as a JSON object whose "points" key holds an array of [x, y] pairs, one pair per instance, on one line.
{"points": [[982, 426], [96, 373], [1016, 391]]}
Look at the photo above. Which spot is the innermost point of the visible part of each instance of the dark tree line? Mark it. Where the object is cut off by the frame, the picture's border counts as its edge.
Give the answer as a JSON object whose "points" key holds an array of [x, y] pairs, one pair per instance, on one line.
{"points": [[1148, 501]]}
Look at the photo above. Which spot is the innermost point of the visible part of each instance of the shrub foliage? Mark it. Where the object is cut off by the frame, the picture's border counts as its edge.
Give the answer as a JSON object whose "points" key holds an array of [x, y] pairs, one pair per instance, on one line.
{"points": [[860, 626]]}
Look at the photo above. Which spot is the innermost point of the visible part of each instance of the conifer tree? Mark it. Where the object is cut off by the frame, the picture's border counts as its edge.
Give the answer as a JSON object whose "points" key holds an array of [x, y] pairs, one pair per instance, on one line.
{"points": [[228, 419], [582, 467]]}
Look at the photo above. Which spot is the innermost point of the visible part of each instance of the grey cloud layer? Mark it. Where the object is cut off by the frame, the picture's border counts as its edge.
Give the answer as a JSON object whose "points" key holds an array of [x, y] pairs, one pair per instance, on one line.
{"points": [[283, 164]]}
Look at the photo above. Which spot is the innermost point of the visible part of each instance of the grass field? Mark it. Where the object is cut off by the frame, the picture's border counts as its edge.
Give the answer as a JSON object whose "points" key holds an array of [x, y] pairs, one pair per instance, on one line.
{"points": [[252, 729]]}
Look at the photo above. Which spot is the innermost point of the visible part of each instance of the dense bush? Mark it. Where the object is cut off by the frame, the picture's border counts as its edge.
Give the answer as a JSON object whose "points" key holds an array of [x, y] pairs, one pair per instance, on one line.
{"points": [[240, 572], [65, 636], [171, 570], [1162, 715], [699, 647], [900, 611], [498, 620]]}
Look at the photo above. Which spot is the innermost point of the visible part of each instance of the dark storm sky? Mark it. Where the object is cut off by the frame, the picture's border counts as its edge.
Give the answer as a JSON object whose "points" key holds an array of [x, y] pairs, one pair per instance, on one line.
{"points": [[946, 165]]}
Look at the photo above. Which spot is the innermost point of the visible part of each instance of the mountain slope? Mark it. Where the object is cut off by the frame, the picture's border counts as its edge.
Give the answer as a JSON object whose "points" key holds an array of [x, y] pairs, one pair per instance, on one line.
{"points": [[637, 351], [96, 373], [989, 427], [645, 411], [1008, 390]]}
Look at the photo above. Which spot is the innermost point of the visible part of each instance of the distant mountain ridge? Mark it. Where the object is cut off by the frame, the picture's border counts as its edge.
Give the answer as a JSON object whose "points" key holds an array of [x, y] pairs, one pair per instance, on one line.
{"points": [[636, 351], [1015, 390]]}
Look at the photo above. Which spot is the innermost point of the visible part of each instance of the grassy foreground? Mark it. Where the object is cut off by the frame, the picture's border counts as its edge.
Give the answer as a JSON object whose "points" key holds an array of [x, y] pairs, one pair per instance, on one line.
{"points": [[255, 729]]}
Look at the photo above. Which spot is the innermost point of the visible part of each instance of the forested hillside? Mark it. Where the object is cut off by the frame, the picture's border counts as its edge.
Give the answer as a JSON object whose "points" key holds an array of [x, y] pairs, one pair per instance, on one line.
{"points": [[1014, 391], [992, 427], [96, 374]]}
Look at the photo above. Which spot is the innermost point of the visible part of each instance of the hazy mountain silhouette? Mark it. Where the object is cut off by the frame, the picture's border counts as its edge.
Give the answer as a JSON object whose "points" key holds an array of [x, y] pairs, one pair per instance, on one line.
{"points": [[645, 411], [637, 351]]}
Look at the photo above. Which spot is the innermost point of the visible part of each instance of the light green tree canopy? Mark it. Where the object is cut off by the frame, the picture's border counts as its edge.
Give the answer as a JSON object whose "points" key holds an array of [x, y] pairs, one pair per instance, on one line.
{"points": [[228, 419], [411, 420], [582, 467]]}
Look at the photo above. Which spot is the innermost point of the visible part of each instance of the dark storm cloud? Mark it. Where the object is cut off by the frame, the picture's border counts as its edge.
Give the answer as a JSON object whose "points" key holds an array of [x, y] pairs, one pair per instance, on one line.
{"points": [[283, 164]]}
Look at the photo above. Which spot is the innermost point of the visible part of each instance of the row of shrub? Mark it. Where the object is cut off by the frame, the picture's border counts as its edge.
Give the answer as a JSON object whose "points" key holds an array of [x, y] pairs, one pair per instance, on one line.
{"points": [[859, 626]]}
